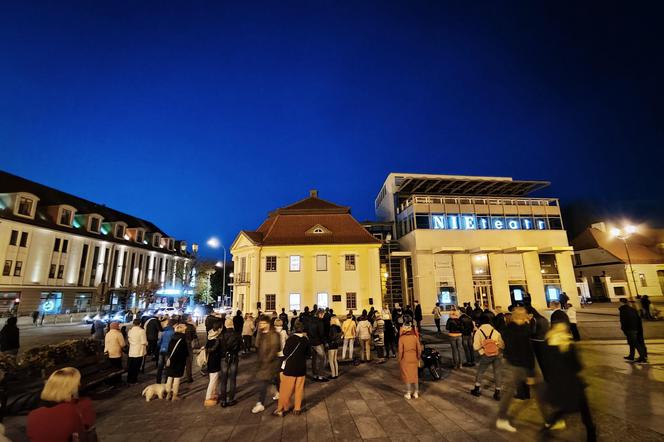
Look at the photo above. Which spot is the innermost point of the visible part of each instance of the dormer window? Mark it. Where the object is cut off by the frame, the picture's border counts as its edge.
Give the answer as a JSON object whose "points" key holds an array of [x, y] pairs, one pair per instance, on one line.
{"points": [[119, 231], [25, 206], [65, 217], [139, 236], [94, 224], [156, 240], [171, 244], [318, 230]]}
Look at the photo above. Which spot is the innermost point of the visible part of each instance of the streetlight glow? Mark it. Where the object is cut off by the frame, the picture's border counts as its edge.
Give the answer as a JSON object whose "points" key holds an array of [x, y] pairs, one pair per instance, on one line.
{"points": [[615, 231], [630, 229], [219, 264], [213, 242]]}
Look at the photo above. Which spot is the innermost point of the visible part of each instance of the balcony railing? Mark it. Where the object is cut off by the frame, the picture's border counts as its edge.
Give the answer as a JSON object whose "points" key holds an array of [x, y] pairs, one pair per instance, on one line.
{"points": [[241, 278], [483, 201]]}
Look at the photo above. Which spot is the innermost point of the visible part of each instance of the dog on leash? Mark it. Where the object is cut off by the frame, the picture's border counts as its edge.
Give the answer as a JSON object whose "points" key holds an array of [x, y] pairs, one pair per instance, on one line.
{"points": [[158, 390]]}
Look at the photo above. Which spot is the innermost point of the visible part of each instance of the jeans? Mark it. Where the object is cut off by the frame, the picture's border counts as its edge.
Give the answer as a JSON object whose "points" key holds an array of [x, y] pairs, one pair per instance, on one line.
{"points": [[380, 352], [437, 321], [153, 349], [228, 375], [455, 342], [635, 341], [317, 359], [334, 364], [413, 388], [467, 342], [160, 366], [262, 390], [514, 376], [348, 343], [365, 345], [246, 340], [484, 362]]}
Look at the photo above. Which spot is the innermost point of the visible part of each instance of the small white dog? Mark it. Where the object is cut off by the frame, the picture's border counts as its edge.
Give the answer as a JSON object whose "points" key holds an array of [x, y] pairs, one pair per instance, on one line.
{"points": [[153, 390]]}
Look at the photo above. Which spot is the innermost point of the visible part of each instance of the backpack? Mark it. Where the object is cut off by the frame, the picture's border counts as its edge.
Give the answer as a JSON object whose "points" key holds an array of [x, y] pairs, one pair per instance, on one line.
{"points": [[489, 346]]}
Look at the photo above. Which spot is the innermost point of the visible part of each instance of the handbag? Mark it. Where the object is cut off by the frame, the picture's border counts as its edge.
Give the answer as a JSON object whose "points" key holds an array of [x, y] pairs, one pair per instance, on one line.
{"points": [[283, 364], [89, 434], [168, 361], [202, 358]]}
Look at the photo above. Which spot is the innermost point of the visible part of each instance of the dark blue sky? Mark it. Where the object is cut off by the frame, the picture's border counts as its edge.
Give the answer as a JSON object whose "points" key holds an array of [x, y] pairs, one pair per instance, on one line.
{"points": [[203, 116]]}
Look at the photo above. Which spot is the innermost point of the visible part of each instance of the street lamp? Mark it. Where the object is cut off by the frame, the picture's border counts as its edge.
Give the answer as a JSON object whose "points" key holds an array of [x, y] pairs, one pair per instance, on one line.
{"points": [[214, 243], [623, 234]]}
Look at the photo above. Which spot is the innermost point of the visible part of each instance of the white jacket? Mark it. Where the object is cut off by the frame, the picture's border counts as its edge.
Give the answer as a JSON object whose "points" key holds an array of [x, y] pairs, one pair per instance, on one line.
{"points": [[248, 327], [488, 330], [138, 342], [364, 329], [114, 343]]}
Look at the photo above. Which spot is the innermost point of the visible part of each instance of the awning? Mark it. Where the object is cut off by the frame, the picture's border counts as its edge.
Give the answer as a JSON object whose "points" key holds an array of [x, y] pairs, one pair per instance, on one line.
{"points": [[461, 185]]}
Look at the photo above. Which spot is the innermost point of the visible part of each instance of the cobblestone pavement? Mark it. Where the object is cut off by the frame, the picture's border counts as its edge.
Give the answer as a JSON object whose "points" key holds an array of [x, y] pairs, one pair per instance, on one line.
{"points": [[367, 403]]}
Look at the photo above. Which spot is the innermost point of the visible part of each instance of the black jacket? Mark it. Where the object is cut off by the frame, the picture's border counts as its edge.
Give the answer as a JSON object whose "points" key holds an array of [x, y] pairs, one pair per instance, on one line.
{"points": [[315, 331], [559, 316], [476, 315], [284, 319], [564, 388], [238, 323], [179, 353], [454, 325], [629, 319], [296, 352], [518, 350], [335, 337], [9, 338], [152, 328], [499, 322], [467, 325], [418, 312]]}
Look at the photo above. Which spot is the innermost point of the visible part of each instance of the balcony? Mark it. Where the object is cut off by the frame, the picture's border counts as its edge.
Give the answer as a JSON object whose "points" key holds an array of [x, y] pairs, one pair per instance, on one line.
{"points": [[477, 201], [241, 278]]}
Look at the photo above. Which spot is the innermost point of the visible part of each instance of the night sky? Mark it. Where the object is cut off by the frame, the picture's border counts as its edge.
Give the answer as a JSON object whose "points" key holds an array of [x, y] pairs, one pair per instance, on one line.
{"points": [[203, 116]]}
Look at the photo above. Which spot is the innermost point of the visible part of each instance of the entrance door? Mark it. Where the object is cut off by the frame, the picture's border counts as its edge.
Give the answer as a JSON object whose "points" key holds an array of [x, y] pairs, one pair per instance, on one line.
{"points": [[483, 294]]}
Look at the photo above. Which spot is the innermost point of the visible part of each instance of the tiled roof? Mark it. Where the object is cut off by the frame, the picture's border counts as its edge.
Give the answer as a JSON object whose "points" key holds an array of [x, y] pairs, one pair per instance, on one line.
{"points": [[639, 253], [291, 225]]}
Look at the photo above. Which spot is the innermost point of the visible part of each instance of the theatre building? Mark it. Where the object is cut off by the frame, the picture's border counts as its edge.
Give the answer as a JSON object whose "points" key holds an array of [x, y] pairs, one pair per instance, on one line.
{"points": [[61, 253], [469, 238], [310, 252]]}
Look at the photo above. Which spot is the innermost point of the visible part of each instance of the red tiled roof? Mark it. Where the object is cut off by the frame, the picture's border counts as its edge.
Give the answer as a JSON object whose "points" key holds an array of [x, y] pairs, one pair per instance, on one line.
{"points": [[639, 253]]}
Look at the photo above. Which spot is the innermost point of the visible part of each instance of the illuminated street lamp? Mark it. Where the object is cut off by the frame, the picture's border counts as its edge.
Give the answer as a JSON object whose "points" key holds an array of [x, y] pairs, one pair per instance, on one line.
{"points": [[623, 234], [214, 243]]}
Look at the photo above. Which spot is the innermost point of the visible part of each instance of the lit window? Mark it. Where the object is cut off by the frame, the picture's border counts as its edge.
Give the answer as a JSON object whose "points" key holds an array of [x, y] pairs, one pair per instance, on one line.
{"points": [[25, 206], [321, 263], [6, 270], [17, 268], [271, 302], [24, 239], [294, 302], [642, 278], [295, 263], [351, 301], [65, 217], [270, 263], [350, 262], [13, 238]]}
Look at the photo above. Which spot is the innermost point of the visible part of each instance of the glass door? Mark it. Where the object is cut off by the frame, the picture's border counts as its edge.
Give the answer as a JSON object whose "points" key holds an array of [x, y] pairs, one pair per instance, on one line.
{"points": [[484, 294], [322, 300]]}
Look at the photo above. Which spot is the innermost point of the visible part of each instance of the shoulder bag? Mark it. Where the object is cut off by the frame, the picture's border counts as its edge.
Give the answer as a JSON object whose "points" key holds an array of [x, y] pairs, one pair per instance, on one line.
{"points": [[168, 361]]}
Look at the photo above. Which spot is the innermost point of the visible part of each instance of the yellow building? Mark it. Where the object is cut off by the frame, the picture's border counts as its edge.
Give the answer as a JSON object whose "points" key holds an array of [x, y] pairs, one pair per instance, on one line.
{"points": [[310, 252]]}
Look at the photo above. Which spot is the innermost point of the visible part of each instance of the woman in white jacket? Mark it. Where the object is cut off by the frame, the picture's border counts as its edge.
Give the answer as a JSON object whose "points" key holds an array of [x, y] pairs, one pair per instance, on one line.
{"points": [[364, 332], [138, 344]]}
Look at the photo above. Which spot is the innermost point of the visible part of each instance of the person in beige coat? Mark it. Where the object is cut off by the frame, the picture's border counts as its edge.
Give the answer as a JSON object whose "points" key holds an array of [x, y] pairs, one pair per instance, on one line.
{"points": [[349, 330], [114, 343], [410, 351]]}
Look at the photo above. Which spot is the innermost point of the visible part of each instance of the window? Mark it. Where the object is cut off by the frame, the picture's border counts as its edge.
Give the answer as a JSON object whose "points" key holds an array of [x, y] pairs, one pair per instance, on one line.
{"points": [[155, 241], [25, 206], [17, 268], [270, 263], [65, 244], [294, 302], [322, 300], [6, 270], [577, 259], [351, 301], [321, 263], [51, 272], [14, 238], [294, 263], [61, 271], [642, 278], [65, 217], [350, 262], [56, 245], [24, 239], [139, 236], [94, 224], [318, 230], [119, 231], [270, 303], [81, 266]]}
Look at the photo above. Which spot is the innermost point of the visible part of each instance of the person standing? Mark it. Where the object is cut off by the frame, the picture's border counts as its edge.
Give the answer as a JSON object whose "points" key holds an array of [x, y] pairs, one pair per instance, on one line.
{"points": [[138, 344], [98, 331], [364, 331], [397, 317], [418, 316], [558, 315], [571, 314], [164, 344], [35, 317], [455, 332], [231, 343], [215, 354], [176, 361], [335, 337], [410, 352], [437, 313], [645, 305], [268, 345], [379, 336], [192, 340], [489, 344], [248, 330], [294, 366], [349, 329], [389, 334], [499, 319], [114, 343], [564, 300], [238, 323], [316, 333], [632, 327], [9, 337], [467, 328], [152, 329], [520, 363], [284, 319]]}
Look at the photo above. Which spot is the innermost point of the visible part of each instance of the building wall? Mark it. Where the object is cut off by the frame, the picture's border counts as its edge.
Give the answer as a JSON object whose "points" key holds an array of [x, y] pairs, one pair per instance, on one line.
{"points": [[38, 256], [308, 282], [621, 272]]}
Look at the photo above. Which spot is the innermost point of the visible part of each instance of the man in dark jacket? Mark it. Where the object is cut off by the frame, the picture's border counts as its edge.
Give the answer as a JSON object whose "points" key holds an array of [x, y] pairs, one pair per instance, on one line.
{"points": [[467, 327], [238, 322], [152, 329], [315, 329], [632, 327], [230, 343], [477, 313], [9, 337], [499, 320], [191, 338], [558, 315], [284, 319], [418, 316]]}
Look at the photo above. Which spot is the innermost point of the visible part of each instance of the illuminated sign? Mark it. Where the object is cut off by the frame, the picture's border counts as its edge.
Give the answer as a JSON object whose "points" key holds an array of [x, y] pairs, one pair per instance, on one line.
{"points": [[479, 222]]}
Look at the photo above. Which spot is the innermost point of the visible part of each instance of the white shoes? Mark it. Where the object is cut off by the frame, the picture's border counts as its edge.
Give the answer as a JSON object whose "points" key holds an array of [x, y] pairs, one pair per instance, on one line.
{"points": [[416, 395], [504, 424], [276, 396], [407, 395], [258, 408]]}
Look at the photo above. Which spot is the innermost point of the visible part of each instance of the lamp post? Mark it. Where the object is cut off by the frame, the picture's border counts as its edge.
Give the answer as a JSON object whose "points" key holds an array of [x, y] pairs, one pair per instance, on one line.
{"points": [[214, 243], [388, 278], [623, 234]]}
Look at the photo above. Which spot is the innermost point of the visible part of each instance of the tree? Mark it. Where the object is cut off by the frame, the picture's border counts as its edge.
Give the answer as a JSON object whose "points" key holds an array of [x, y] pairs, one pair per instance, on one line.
{"points": [[144, 292]]}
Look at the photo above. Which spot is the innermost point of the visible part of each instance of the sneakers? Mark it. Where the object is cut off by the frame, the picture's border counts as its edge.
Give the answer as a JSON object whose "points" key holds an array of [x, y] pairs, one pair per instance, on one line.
{"points": [[276, 396], [476, 391], [258, 408], [642, 361], [210, 403], [416, 395], [407, 395], [504, 424], [496, 395]]}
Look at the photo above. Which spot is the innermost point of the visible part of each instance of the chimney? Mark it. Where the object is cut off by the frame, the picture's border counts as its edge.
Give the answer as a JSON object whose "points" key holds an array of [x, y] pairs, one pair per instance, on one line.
{"points": [[313, 193]]}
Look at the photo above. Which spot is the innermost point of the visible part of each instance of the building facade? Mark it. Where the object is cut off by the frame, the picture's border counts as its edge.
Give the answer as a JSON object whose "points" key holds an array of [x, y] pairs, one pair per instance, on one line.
{"points": [[613, 268], [477, 239], [310, 252], [62, 253]]}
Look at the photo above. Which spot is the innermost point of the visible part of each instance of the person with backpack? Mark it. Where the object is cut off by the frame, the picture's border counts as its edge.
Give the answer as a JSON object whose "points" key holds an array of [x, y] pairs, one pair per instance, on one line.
{"points": [[335, 338], [489, 344]]}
